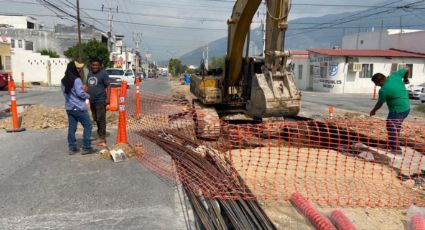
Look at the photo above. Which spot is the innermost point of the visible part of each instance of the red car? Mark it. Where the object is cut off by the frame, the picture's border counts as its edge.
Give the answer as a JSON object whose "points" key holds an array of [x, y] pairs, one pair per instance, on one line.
{"points": [[3, 81]]}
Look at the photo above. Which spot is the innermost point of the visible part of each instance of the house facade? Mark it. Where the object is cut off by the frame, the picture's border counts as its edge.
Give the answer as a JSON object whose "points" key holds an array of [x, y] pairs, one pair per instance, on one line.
{"points": [[350, 71], [5, 57]]}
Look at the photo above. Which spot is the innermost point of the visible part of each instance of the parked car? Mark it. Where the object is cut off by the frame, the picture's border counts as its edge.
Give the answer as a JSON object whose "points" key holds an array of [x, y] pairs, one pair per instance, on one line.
{"points": [[422, 98], [3, 81], [115, 76], [129, 77], [415, 92]]}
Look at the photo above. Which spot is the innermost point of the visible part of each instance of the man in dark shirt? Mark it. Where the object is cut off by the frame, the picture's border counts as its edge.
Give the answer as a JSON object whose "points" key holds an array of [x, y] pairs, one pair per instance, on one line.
{"points": [[99, 90]]}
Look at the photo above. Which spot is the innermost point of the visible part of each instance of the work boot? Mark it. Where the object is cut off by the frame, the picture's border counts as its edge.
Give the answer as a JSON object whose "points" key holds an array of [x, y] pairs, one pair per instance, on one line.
{"points": [[89, 151], [73, 151]]}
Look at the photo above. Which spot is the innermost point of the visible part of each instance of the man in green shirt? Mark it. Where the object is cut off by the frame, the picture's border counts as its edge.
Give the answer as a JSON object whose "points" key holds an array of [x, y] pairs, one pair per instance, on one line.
{"points": [[393, 92]]}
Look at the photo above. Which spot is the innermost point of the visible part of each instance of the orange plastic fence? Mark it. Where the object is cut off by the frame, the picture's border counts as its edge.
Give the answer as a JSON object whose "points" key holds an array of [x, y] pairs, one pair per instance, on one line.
{"points": [[344, 162]]}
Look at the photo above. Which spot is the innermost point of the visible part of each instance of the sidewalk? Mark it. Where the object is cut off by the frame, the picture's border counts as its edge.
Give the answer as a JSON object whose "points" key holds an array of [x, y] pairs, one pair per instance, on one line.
{"points": [[42, 187]]}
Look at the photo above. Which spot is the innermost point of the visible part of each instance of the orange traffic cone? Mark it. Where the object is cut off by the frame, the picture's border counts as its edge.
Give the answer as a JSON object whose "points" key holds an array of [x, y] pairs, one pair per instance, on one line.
{"points": [[113, 103], [122, 129], [14, 110], [137, 113]]}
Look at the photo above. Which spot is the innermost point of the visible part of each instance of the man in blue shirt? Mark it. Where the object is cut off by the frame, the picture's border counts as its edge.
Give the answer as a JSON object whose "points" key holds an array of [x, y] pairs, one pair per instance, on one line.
{"points": [[99, 90]]}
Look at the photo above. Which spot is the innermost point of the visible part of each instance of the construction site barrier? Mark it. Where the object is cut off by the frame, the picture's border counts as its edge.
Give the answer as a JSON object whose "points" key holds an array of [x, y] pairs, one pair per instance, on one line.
{"points": [[122, 124], [9, 83], [346, 161], [137, 112], [341, 221], [417, 222], [374, 93], [307, 209], [22, 83], [113, 99], [14, 110]]}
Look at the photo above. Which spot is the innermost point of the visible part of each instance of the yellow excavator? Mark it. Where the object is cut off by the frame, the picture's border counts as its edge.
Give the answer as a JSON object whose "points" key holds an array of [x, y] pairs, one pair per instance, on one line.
{"points": [[251, 88]]}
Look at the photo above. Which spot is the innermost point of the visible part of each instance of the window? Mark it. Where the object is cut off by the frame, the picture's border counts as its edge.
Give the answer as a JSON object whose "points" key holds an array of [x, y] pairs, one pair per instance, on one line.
{"points": [[12, 43], [409, 66], [1, 63], [20, 44], [8, 63], [117, 72], [29, 45], [367, 71], [300, 72], [324, 70], [396, 67]]}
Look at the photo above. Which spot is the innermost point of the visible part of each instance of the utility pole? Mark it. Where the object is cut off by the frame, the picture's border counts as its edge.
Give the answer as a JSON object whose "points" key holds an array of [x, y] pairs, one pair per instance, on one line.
{"points": [[380, 34], [79, 32], [206, 61], [137, 39], [401, 32], [110, 20], [263, 23]]}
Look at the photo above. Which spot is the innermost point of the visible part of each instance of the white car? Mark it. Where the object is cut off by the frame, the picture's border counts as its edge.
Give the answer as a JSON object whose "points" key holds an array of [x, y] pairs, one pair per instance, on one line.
{"points": [[129, 77], [416, 92], [115, 76]]}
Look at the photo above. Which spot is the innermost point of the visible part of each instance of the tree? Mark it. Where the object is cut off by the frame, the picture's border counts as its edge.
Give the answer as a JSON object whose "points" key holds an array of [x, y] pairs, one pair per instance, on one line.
{"points": [[216, 62], [90, 50], [175, 67], [49, 53]]}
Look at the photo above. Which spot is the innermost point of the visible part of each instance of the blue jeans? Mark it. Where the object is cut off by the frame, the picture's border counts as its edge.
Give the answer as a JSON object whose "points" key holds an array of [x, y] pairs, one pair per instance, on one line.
{"points": [[75, 116], [394, 122]]}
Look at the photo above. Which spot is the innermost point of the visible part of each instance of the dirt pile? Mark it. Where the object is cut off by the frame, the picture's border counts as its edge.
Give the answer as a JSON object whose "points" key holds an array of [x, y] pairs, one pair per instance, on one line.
{"points": [[44, 117], [326, 176], [182, 91]]}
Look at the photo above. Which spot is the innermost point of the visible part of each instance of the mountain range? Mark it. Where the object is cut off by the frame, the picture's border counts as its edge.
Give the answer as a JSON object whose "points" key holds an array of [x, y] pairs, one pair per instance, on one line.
{"points": [[320, 32]]}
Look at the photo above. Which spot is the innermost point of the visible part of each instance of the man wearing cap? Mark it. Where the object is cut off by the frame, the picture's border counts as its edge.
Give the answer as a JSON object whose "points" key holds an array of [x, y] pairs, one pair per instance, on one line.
{"points": [[393, 92], [99, 90]]}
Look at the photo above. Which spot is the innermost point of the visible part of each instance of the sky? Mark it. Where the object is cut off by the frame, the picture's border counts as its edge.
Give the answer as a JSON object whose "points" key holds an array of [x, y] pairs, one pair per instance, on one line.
{"points": [[168, 27]]}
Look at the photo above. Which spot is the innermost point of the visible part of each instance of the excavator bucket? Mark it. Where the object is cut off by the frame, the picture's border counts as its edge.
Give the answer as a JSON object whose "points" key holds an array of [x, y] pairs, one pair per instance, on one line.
{"points": [[274, 96]]}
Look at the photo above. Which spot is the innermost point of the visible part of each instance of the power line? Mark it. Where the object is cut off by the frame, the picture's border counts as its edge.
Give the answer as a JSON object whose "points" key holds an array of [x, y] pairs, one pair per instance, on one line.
{"points": [[351, 18]]}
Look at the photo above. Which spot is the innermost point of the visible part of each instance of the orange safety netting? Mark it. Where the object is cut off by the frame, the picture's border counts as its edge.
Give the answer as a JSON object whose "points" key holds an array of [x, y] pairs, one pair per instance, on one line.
{"points": [[331, 162]]}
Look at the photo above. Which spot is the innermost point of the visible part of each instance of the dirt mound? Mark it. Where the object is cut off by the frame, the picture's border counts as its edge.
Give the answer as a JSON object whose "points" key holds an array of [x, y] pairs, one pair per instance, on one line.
{"points": [[44, 117]]}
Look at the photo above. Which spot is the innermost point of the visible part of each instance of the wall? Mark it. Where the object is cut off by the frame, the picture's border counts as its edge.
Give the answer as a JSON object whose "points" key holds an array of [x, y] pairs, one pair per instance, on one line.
{"points": [[412, 41], [38, 68], [59, 39], [18, 22], [343, 81], [302, 81]]}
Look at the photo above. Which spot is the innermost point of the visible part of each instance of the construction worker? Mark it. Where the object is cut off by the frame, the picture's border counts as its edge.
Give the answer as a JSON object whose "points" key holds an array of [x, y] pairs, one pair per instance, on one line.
{"points": [[393, 92], [99, 90], [76, 108]]}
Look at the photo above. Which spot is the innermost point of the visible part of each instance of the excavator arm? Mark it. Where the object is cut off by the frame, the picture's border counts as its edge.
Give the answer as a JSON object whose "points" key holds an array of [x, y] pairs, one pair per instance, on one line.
{"points": [[239, 25]]}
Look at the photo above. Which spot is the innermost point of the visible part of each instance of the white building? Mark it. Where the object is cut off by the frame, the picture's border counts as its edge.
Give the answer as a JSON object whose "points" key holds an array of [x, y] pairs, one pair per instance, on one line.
{"points": [[410, 40], [18, 22], [350, 71], [36, 68], [301, 64]]}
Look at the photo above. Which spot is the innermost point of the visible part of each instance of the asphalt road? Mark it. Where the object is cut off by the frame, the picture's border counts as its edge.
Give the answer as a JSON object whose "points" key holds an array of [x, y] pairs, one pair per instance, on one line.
{"points": [[316, 104], [42, 187]]}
